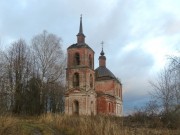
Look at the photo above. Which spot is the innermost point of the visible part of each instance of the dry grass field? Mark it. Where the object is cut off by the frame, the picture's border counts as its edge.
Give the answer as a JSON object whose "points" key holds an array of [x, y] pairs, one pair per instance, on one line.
{"points": [[56, 124]]}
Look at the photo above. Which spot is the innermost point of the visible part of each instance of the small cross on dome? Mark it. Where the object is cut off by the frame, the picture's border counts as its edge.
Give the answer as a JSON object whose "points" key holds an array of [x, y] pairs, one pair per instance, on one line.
{"points": [[102, 52]]}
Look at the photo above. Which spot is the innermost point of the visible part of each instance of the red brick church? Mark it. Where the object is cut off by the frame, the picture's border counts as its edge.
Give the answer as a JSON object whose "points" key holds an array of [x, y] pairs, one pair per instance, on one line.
{"points": [[89, 91]]}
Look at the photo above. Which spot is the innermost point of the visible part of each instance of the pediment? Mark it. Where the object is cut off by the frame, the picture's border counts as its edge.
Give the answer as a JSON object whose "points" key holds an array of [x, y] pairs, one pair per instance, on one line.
{"points": [[74, 91]]}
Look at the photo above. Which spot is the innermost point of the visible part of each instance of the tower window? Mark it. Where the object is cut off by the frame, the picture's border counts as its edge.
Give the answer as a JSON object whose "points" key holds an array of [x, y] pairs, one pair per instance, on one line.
{"points": [[91, 81], [77, 59], [76, 80], [90, 61]]}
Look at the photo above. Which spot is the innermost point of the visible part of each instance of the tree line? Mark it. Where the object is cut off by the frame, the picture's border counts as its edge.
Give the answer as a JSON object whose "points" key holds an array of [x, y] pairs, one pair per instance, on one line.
{"points": [[164, 107], [32, 76]]}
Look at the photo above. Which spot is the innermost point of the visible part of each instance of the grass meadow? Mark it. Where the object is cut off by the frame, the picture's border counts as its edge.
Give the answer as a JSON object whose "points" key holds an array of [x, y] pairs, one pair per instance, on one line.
{"points": [[58, 124]]}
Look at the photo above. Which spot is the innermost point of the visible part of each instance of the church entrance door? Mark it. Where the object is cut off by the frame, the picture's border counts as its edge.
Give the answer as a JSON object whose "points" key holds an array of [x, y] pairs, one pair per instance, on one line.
{"points": [[76, 107]]}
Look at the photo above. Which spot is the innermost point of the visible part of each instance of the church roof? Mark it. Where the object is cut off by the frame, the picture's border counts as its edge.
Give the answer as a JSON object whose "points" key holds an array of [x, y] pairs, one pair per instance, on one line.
{"points": [[103, 73], [82, 45]]}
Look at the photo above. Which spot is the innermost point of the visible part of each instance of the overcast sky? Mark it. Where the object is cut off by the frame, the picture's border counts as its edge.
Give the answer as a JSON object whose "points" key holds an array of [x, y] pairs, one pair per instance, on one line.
{"points": [[138, 34]]}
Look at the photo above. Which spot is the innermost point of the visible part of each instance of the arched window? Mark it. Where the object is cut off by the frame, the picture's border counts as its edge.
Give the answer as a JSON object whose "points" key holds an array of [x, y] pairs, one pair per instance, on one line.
{"points": [[77, 59], [90, 61], [91, 81], [76, 80]]}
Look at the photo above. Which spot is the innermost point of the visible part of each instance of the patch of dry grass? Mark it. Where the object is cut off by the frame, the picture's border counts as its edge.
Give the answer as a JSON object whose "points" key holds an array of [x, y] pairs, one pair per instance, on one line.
{"points": [[57, 124], [8, 125]]}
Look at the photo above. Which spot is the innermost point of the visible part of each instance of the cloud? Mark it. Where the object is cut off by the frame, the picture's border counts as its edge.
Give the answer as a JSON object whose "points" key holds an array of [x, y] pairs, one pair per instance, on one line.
{"points": [[172, 27], [138, 34]]}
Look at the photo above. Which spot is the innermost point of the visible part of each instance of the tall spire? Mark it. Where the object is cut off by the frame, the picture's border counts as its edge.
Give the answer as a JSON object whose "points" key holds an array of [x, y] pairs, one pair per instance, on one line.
{"points": [[80, 27], [80, 35]]}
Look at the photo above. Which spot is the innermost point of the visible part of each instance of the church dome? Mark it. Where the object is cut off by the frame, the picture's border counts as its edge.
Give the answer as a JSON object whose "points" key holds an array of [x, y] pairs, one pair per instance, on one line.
{"points": [[103, 73]]}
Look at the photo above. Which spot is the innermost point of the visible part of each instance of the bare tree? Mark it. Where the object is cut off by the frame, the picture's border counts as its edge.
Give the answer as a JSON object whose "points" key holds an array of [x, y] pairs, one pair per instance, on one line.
{"points": [[3, 93], [164, 90], [16, 73], [167, 86], [49, 63], [175, 70], [151, 108]]}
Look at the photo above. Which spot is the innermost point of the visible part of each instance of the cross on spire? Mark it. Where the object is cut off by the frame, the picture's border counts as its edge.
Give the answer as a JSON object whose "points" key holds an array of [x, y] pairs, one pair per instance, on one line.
{"points": [[102, 43], [102, 52]]}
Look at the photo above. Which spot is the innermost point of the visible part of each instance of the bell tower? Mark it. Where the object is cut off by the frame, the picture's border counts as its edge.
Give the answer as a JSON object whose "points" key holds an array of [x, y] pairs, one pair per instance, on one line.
{"points": [[80, 96]]}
